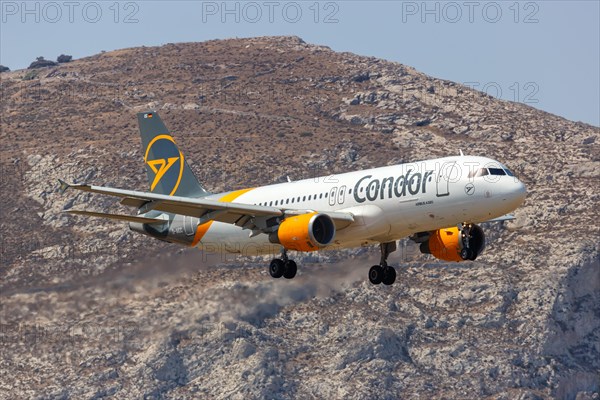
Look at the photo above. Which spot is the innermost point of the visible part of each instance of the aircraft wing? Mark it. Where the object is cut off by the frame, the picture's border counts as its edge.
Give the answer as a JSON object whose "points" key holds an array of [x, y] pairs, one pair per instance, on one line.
{"points": [[119, 217], [205, 209], [505, 217]]}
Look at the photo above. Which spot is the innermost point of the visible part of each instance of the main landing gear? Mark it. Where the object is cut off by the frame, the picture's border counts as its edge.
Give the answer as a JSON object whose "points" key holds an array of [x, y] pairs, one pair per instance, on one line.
{"points": [[283, 267], [383, 273]]}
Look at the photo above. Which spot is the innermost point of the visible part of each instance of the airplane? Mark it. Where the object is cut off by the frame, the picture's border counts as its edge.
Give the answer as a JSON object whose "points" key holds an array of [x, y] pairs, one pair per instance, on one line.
{"points": [[437, 203]]}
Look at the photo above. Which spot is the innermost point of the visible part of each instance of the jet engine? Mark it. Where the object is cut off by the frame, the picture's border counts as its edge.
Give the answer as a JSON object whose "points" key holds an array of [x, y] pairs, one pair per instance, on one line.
{"points": [[306, 232], [453, 244]]}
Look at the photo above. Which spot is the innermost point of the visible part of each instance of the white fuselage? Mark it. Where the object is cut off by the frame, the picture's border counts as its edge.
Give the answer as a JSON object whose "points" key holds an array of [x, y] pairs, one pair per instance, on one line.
{"points": [[387, 203]]}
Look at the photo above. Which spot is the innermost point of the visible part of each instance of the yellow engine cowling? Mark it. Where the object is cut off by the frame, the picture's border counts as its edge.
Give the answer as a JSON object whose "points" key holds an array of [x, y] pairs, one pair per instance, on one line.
{"points": [[445, 244], [452, 244], [306, 232]]}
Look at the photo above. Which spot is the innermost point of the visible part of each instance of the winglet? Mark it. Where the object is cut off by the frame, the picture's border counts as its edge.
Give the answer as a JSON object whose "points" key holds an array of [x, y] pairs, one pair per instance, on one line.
{"points": [[63, 186]]}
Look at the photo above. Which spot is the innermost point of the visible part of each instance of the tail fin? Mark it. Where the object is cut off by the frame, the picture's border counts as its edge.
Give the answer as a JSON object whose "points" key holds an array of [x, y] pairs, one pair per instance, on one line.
{"points": [[168, 172]]}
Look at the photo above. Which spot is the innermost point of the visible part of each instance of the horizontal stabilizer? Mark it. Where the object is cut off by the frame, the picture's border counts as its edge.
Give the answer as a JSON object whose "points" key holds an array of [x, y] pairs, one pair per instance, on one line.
{"points": [[120, 217]]}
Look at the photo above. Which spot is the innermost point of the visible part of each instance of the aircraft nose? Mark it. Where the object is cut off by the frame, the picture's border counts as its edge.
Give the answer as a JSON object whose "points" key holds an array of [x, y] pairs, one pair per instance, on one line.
{"points": [[520, 191]]}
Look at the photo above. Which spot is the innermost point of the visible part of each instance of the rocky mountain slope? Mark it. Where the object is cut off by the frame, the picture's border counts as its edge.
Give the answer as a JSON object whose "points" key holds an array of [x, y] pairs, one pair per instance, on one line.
{"points": [[89, 310]]}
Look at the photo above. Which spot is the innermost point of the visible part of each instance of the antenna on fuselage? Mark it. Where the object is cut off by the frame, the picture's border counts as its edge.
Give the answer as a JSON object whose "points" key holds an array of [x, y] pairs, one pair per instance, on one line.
{"points": [[461, 153]]}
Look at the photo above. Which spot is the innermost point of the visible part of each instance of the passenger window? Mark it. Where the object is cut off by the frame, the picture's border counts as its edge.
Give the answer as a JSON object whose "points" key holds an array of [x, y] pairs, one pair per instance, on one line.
{"points": [[293, 199], [497, 171], [304, 198], [287, 201], [271, 203], [321, 196], [276, 201]]}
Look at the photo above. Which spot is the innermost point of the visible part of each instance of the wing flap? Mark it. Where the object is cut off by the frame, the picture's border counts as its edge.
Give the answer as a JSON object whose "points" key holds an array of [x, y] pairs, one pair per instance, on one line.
{"points": [[119, 217]]}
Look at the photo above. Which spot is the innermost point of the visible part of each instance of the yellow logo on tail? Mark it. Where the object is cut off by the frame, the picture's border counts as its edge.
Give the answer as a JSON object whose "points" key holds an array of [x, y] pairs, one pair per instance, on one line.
{"points": [[160, 166]]}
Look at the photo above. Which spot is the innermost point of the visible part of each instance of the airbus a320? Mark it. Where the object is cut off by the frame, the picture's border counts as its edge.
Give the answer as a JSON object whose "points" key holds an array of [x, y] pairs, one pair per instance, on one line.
{"points": [[437, 203]]}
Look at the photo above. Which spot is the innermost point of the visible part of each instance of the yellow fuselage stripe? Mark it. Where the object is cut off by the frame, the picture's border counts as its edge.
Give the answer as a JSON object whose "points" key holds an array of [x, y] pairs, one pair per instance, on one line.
{"points": [[202, 229]]}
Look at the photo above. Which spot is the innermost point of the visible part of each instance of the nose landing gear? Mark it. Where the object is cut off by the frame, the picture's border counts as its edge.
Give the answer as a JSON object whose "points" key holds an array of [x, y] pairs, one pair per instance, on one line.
{"points": [[473, 241], [383, 273]]}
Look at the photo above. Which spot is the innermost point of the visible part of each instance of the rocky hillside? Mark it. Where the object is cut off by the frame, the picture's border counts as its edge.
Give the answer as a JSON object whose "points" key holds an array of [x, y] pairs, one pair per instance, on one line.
{"points": [[89, 310]]}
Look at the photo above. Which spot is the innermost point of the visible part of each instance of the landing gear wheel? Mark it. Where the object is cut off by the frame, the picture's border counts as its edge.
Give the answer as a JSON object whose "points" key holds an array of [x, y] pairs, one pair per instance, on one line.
{"points": [[389, 276], [277, 268], [467, 254], [376, 274], [290, 269], [383, 272]]}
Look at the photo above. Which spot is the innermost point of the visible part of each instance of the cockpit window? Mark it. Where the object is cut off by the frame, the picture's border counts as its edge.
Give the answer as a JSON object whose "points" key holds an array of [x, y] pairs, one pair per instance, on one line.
{"points": [[497, 171], [508, 172], [478, 172]]}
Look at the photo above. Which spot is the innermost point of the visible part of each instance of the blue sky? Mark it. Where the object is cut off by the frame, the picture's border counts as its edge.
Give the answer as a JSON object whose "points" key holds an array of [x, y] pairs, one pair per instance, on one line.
{"points": [[543, 53]]}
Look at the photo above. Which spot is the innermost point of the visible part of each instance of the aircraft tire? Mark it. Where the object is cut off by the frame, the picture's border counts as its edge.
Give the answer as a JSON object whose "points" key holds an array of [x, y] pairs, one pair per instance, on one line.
{"points": [[473, 255], [277, 268], [466, 254], [376, 274], [389, 276], [290, 269]]}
